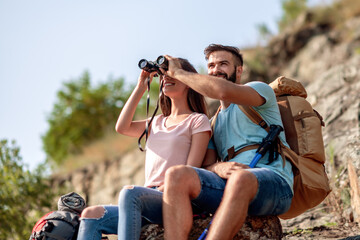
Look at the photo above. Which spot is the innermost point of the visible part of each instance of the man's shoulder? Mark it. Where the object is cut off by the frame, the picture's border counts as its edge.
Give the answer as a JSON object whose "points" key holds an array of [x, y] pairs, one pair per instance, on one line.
{"points": [[263, 89], [258, 85]]}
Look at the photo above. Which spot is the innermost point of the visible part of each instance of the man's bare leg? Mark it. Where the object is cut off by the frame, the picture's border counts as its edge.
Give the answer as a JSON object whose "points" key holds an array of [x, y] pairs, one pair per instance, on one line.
{"points": [[181, 185], [240, 189]]}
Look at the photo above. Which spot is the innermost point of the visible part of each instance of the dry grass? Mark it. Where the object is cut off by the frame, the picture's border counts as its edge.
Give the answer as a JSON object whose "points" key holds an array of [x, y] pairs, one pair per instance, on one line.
{"points": [[111, 146], [337, 13]]}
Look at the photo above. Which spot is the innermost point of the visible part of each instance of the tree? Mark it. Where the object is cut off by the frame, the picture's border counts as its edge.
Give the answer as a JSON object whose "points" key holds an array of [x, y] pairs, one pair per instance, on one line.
{"points": [[23, 194], [82, 113]]}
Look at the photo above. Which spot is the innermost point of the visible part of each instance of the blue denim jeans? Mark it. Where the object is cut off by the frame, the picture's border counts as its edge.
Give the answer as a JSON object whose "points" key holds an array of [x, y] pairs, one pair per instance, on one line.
{"points": [[92, 228], [137, 207], [273, 197]]}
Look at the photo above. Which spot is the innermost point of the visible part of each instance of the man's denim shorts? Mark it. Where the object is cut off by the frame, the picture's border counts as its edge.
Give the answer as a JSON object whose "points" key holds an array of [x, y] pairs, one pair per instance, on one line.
{"points": [[272, 198]]}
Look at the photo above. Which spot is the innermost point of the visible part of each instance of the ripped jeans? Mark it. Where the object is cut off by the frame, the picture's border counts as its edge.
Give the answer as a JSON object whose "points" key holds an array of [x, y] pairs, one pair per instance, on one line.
{"points": [[138, 206]]}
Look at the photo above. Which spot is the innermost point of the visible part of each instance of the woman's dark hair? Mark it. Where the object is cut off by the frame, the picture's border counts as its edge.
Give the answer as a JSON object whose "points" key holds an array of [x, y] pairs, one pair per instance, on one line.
{"points": [[218, 47], [195, 100]]}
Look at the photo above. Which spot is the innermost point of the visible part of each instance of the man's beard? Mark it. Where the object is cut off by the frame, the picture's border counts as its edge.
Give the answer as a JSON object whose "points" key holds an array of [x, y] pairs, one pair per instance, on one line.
{"points": [[232, 77]]}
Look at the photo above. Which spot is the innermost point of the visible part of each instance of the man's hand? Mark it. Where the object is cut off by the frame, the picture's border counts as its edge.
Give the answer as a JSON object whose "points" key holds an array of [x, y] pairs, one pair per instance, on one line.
{"points": [[174, 65], [225, 169]]}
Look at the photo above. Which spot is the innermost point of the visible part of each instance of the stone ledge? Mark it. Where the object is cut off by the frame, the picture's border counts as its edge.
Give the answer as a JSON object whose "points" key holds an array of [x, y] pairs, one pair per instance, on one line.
{"points": [[259, 228]]}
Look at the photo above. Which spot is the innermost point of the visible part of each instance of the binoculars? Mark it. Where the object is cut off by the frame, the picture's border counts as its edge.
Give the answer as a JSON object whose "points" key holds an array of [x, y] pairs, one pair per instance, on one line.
{"points": [[150, 66]]}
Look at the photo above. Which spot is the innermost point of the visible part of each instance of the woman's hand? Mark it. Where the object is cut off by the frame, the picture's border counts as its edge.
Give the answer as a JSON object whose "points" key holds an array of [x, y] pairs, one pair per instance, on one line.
{"points": [[142, 80], [161, 188]]}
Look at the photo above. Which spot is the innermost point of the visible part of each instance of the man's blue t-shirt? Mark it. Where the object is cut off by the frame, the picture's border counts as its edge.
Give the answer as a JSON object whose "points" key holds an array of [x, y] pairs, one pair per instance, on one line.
{"points": [[234, 128]]}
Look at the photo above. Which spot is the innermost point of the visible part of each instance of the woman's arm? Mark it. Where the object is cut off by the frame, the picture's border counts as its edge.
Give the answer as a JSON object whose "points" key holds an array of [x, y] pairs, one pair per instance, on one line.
{"points": [[125, 124], [199, 143], [210, 158]]}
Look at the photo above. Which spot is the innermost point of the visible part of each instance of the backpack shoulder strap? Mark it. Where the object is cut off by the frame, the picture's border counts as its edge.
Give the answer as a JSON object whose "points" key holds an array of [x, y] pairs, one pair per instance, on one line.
{"points": [[213, 121], [257, 119], [254, 116]]}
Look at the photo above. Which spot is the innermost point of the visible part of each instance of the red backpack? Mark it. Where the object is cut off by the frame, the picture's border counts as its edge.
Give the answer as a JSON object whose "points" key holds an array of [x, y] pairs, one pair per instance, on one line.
{"points": [[56, 225], [62, 224]]}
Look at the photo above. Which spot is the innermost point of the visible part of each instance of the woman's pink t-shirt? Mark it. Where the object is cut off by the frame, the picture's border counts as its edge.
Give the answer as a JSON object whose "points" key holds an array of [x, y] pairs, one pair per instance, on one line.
{"points": [[168, 147]]}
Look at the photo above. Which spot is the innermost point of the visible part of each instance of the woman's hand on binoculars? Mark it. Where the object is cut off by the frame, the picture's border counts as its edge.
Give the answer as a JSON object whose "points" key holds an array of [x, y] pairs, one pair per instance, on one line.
{"points": [[143, 78]]}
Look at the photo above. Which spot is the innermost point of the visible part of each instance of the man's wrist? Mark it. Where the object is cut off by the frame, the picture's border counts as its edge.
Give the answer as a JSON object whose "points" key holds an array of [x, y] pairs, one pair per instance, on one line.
{"points": [[178, 73]]}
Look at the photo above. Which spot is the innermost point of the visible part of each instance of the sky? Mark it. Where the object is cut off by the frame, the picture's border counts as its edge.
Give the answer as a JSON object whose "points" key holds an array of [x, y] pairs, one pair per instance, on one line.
{"points": [[45, 43]]}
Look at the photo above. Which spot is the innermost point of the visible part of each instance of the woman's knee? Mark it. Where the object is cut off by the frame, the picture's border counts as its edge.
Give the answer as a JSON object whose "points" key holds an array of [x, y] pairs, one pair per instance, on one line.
{"points": [[129, 194], [93, 212]]}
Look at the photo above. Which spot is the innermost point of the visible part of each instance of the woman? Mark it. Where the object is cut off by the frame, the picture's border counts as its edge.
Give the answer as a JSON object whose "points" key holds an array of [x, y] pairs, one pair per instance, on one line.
{"points": [[178, 136]]}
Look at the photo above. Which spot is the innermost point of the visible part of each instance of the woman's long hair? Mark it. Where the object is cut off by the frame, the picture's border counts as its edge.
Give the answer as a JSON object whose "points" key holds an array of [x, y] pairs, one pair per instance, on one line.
{"points": [[195, 100]]}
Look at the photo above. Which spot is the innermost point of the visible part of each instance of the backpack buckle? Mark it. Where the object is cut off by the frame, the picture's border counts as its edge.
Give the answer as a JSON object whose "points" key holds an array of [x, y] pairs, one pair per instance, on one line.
{"points": [[263, 124]]}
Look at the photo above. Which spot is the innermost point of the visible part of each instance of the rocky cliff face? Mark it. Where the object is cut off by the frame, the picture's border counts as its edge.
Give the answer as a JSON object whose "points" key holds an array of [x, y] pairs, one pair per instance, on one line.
{"points": [[328, 63], [101, 183], [329, 66]]}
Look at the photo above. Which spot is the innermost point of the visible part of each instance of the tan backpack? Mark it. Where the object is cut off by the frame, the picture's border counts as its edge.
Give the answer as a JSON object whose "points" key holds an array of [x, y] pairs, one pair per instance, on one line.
{"points": [[302, 126]]}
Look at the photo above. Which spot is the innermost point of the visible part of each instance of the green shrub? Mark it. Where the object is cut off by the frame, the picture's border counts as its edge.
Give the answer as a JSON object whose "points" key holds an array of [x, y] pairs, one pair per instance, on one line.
{"points": [[23, 194]]}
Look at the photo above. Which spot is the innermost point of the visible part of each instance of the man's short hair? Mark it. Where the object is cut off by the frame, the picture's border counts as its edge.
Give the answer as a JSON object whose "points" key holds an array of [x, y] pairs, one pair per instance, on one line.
{"points": [[218, 47]]}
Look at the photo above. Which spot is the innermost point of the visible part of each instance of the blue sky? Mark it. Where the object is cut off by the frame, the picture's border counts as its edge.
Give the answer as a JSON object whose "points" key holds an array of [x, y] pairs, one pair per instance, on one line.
{"points": [[44, 43]]}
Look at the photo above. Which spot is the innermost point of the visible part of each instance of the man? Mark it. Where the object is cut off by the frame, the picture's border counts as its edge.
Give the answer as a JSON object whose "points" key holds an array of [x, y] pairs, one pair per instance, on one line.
{"points": [[230, 189]]}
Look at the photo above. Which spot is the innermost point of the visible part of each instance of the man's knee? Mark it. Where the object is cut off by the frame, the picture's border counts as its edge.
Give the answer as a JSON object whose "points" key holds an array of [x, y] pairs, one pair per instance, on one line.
{"points": [[243, 180], [178, 174], [93, 212], [182, 178]]}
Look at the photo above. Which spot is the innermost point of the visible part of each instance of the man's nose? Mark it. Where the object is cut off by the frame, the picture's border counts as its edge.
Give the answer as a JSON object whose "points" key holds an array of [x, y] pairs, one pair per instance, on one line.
{"points": [[214, 70], [217, 73]]}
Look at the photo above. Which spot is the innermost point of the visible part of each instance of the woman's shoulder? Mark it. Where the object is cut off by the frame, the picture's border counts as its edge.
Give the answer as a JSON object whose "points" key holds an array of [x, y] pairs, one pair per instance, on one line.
{"points": [[200, 116], [199, 121]]}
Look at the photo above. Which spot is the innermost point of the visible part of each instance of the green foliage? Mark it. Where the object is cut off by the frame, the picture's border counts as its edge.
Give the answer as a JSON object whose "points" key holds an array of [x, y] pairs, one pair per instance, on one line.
{"points": [[23, 194], [153, 95], [291, 10], [330, 224], [81, 114]]}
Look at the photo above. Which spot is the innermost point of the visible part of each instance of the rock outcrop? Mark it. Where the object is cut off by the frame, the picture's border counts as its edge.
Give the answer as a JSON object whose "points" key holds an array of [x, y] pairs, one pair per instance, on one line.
{"points": [[255, 228], [329, 65], [100, 183]]}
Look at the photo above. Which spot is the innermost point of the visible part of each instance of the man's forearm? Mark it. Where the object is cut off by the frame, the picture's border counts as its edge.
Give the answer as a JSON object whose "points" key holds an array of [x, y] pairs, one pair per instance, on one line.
{"points": [[206, 85]]}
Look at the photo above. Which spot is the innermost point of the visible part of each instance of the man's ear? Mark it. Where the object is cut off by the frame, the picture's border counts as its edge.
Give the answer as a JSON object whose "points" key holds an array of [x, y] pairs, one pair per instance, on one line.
{"points": [[239, 70]]}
